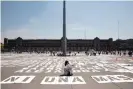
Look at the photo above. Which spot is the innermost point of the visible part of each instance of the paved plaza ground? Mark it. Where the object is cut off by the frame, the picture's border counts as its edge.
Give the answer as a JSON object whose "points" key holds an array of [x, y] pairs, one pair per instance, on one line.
{"points": [[41, 71]]}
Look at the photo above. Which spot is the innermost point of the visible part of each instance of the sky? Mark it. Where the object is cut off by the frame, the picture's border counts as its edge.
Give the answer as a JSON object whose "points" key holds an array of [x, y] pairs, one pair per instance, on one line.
{"points": [[84, 19]]}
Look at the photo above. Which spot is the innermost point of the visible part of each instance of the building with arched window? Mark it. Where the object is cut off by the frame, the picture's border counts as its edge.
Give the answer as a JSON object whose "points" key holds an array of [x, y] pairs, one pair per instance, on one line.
{"points": [[72, 44]]}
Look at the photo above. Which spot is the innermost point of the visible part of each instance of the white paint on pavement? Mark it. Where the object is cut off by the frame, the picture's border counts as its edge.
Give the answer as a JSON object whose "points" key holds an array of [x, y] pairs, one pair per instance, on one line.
{"points": [[112, 78], [18, 79], [63, 80]]}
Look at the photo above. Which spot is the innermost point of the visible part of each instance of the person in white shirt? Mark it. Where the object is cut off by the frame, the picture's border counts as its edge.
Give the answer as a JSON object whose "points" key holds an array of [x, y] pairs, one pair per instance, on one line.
{"points": [[67, 69]]}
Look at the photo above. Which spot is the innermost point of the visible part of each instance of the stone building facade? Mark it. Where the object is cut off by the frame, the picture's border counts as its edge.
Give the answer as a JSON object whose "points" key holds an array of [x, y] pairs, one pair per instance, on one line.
{"points": [[56, 44]]}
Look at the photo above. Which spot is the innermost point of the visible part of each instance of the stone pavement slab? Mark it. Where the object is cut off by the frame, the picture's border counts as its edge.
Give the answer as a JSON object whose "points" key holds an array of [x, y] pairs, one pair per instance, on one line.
{"points": [[16, 69]]}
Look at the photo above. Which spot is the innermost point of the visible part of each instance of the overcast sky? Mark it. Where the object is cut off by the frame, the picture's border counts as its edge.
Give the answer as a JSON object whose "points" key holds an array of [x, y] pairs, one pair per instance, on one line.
{"points": [[44, 19]]}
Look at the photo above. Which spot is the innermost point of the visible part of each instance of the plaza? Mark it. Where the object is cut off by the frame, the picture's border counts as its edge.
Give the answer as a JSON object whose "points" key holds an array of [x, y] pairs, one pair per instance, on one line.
{"points": [[33, 56], [41, 71]]}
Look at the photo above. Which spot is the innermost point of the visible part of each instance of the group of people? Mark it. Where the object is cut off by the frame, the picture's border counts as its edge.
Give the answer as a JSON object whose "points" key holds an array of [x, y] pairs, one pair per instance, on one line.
{"points": [[90, 52], [130, 53]]}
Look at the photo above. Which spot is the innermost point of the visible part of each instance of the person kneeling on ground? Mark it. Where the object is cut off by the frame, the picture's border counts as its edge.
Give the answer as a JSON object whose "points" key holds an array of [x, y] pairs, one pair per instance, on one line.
{"points": [[67, 69]]}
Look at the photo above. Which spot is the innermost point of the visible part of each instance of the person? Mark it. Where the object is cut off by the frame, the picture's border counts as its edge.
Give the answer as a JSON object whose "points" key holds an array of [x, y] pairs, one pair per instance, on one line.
{"points": [[67, 69], [130, 53]]}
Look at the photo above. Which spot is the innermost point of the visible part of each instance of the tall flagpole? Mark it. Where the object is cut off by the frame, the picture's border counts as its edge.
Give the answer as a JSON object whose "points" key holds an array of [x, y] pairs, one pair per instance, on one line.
{"points": [[85, 33], [118, 29], [64, 29], [118, 36]]}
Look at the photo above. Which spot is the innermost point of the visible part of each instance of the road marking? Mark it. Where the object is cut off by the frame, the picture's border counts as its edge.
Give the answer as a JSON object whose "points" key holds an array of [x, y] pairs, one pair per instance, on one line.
{"points": [[63, 80], [112, 78], [18, 79]]}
